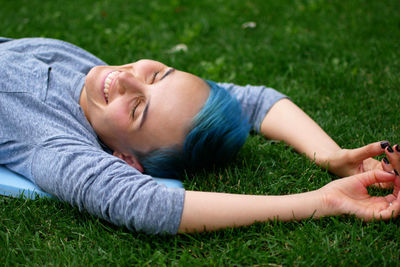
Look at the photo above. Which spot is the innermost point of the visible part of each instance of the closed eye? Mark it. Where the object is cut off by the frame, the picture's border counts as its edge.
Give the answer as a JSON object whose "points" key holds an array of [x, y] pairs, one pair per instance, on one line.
{"points": [[134, 108], [165, 75], [154, 76]]}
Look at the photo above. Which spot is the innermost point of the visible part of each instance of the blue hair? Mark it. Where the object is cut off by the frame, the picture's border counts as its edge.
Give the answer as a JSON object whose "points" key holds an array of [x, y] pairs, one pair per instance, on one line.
{"points": [[216, 135]]}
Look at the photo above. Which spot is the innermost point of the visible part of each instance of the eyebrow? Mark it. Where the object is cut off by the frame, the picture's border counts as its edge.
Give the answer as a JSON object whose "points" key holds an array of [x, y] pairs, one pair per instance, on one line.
{"points": [[167, 73], [148, 102], [144, 114]]}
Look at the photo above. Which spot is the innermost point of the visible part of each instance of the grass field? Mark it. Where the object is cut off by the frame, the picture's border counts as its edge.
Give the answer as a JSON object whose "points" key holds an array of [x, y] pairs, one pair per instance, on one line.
{"points": [[338, 60]]}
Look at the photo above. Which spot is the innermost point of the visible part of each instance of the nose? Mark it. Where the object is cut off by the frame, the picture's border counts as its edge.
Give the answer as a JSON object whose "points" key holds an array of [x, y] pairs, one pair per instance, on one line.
{"points": [[128, 83]]}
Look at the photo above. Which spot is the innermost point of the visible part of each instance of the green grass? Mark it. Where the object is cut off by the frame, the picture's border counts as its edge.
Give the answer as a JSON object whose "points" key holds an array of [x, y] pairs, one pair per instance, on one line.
{"points": [[338, 60]]}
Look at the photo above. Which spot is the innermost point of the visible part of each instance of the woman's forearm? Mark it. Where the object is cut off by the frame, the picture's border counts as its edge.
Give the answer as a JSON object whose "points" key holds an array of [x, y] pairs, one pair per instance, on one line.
{"points": [[285, 121], [205, 211], [211, 211]]}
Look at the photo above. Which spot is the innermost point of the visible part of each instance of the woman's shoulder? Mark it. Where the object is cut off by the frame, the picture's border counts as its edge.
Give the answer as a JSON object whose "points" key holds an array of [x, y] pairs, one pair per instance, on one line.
{"points": [[29, 43], [50, 48]]}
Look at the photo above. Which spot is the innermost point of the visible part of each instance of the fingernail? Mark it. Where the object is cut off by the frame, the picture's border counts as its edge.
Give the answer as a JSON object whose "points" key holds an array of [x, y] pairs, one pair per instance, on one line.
{"points": [[397, 148], [390, 149], [384, 144], [396, 172], [386, 160]]}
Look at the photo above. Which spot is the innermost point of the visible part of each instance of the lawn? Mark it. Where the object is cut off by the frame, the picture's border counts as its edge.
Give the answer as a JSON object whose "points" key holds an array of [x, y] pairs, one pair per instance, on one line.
{"points": [[338, 60]]}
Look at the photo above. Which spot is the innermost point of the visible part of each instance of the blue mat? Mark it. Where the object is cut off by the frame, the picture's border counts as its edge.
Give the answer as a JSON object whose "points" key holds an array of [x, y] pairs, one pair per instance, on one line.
{"points": [[15, 185]]}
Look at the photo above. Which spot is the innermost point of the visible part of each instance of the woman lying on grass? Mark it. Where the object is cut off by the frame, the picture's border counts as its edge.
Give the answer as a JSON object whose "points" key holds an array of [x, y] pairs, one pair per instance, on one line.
{"points": [[76, 127]]}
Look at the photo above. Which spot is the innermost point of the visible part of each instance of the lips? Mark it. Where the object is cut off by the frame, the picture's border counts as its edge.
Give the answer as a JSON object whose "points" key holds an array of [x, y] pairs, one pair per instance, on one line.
{"points": [[108, 83]]}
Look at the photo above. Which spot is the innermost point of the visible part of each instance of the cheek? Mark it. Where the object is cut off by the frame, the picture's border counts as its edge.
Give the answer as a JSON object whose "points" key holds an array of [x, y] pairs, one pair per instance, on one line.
{"points": [[111, 121], [93, 78], [118, 118]]}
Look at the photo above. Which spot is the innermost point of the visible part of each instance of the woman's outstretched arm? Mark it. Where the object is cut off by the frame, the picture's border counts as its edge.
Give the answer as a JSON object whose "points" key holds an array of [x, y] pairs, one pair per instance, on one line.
{"points": [[276, 117], [204, 211], [286, 121]]}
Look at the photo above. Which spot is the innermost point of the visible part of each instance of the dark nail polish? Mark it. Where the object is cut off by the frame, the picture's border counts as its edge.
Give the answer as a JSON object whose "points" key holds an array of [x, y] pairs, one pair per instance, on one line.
{"points": [[384, 144], [386, 160], [390, 149], [396, 172], [397, 148]]}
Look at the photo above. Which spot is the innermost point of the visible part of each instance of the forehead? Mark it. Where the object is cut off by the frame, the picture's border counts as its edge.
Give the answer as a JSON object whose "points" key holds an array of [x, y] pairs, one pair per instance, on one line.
{"points": [[174, 103], [187, 87]]}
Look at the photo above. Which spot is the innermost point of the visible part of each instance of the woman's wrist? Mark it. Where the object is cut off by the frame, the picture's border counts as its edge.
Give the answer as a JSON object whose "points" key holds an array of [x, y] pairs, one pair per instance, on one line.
{"points": [[320, 204], [302, 206], [329, 204], [338, 162]]}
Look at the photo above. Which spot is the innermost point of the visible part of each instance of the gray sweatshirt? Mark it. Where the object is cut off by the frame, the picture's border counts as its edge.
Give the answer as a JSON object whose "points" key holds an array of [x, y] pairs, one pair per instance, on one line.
{"points": [[45, 136]]}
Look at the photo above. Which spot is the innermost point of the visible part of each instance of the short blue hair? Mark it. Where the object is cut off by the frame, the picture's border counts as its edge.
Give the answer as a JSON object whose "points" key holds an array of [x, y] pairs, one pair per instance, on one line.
{"points": [[216, 135]]}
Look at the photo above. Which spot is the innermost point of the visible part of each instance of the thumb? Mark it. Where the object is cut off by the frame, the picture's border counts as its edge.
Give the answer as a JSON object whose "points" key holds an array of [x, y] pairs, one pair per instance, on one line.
{"points": [[367, 151], [377, 176]]}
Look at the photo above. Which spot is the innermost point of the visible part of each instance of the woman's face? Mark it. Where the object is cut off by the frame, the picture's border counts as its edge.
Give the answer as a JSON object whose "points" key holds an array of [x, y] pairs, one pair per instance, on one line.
{"points": [[141, 106]]}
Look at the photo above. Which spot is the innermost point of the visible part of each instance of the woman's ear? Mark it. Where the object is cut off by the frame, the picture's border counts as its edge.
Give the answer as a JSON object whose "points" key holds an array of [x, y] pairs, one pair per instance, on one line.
{"points": [[130, 159]]}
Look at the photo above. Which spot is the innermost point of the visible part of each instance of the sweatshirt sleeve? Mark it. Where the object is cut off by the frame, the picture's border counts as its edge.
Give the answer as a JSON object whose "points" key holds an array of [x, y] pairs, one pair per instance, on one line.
{"points": [[106, 187], [255, 101]]}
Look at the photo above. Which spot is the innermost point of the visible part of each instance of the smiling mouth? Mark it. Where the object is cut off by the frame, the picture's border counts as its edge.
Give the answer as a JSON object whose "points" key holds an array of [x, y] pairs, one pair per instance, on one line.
{"points": [[107, 83]]}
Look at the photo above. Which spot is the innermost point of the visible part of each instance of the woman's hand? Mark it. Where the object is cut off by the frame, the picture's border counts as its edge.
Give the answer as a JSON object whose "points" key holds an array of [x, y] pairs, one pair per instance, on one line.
{"points": [[347, 162], [350, 196], [393, 154]]}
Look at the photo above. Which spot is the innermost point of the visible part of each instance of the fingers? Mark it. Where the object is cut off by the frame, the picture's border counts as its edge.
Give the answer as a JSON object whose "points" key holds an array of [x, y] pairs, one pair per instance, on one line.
{"points": [[377, 176], [389, 206], [391, 211], [369, 151], [390, 198], [393, 154], [382, 208], [379, 208], [386, 165]]}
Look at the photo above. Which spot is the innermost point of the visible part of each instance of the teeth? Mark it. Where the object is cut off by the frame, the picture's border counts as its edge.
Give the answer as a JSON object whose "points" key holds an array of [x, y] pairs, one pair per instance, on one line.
{"points": [[107, 83]]}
